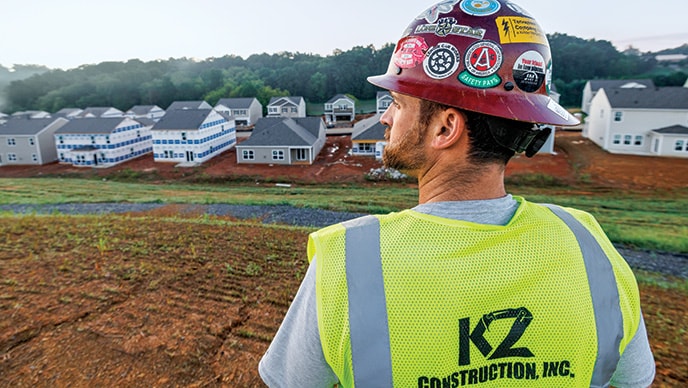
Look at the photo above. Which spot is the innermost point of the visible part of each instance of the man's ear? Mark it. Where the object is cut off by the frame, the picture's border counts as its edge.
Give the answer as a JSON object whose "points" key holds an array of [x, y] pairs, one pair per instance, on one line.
{"points": [[448, 129]]}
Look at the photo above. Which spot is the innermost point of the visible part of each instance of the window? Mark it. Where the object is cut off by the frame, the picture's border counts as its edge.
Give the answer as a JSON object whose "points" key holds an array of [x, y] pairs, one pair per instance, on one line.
{"points": [[365, 147], [301, 154], [618, 116], [12, 157], [627, 139], [11, 142], [638, 140], [294, 110], [285, 110], [678, 146], [277, 155], [248, 155], [617, 139], [168, 154]]}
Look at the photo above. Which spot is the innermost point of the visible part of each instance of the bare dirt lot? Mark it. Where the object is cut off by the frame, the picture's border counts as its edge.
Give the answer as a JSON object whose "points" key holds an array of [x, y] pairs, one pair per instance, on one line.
{"points": [[166, 301]]}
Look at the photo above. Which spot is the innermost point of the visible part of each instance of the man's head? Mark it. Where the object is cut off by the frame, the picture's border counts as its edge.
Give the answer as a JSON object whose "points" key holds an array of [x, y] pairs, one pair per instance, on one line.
{"points": [[490, 60]]}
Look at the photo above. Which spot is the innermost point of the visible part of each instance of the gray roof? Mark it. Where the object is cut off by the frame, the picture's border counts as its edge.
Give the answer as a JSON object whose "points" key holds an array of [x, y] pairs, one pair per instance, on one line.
{"points": [[189, 105], [673, 97], [236, 103], [282, 131], [64, 112], [146, 122], [142, 109], [673, 130], [97, 110], [26, 126], [338, 97], [91, 125], [296, 100], [369, 129], [597, 84], [177, 119]]}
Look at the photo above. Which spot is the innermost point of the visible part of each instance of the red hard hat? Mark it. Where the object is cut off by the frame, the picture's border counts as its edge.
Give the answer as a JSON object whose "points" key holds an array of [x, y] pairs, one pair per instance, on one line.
{"points": [[486, 56]]}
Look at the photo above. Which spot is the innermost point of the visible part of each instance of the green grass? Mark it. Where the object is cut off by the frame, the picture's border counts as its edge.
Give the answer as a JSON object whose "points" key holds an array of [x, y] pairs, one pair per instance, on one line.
{"points": [[658, 221]]}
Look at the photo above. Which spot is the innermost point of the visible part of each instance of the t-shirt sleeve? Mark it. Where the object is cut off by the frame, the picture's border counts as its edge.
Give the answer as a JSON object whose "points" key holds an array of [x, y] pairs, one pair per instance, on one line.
{"points": [[636, 368], [295, 357]]}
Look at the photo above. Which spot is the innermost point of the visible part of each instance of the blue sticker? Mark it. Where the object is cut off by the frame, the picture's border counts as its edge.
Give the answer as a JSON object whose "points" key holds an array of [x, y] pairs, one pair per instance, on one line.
{"points": [[480, 7]]}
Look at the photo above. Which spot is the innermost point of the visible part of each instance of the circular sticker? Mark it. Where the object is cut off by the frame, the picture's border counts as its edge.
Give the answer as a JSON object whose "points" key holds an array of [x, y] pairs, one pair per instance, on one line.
{"points": [[529, 71], [480, 7], [483, 58], [410, 52], [441, 61]]}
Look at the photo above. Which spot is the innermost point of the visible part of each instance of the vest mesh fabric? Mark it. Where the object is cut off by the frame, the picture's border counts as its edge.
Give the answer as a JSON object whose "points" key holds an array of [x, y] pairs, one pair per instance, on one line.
{"points": [[444, 279]]}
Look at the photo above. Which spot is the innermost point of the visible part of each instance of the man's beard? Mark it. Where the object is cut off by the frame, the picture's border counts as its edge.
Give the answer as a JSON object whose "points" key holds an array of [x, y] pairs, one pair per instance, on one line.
{"points": [[407, 155]]}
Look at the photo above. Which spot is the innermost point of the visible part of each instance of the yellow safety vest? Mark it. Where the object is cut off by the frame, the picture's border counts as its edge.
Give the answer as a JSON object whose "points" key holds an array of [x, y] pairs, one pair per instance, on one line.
{"points": [[413, 300]]}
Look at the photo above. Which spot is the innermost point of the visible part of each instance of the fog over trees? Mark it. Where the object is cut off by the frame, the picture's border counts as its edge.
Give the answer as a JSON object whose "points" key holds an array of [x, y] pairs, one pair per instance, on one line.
{"points": [[314, 77]]}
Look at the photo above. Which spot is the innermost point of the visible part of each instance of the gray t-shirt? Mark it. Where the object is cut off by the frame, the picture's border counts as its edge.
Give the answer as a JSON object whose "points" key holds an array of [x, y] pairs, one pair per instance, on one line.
{"points": [[295, 357]]}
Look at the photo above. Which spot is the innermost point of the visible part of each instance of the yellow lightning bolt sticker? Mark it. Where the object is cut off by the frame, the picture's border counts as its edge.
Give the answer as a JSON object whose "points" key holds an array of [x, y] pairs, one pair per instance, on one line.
{"points": [[516, 29]]}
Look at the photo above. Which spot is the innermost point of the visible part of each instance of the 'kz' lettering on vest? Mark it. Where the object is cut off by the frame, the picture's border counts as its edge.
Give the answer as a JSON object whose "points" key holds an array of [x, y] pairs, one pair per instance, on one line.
{"points": [[522, 318]]}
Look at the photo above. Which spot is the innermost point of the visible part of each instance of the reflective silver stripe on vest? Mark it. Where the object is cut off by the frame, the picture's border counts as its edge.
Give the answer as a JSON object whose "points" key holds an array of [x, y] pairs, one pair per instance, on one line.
{"points": [[605, 299], [369, 331]]}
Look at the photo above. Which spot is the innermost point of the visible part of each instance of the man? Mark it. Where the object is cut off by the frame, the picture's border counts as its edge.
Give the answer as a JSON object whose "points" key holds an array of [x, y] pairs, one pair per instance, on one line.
{"points": [[473, 286]]}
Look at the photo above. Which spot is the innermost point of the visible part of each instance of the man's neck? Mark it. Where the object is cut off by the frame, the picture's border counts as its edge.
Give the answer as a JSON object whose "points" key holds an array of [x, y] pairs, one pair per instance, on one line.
{"points": [[461, 184]]}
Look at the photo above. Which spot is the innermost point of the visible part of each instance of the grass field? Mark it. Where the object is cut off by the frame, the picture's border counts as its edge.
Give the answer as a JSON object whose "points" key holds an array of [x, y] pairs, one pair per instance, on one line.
{"points": [[657, 221]]}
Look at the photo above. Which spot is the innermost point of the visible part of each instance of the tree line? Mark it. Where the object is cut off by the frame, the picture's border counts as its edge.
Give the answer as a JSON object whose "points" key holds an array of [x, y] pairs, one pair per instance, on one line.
{"points": [[314, 77]]}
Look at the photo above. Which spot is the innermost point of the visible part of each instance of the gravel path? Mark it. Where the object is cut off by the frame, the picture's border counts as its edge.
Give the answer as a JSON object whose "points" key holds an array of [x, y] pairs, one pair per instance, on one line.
{"points": [[662, 262]]}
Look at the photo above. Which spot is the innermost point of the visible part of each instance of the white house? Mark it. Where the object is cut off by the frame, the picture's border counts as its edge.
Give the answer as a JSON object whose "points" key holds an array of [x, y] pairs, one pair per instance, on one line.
{"points": [[593, 86], [287, 107], [151, 112], [192, 136], [340, 108], [3, 117], [368, 137], [639, 121], [29, 141], [246, 111], [102, 112], [384, 100], [283, 140], [103, 142]]}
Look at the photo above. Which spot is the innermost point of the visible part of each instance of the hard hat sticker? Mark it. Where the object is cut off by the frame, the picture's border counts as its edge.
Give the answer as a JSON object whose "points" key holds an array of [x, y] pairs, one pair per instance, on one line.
{"points": [[480, 7], [558, 109], [529, 71], [517, 29], [433, 13], [441, 61], [410, 52], [482, 60], [449, 26]]}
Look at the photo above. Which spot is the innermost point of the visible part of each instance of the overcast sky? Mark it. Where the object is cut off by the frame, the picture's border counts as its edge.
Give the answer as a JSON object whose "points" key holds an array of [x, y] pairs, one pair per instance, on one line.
{"points": [[68, 33]]}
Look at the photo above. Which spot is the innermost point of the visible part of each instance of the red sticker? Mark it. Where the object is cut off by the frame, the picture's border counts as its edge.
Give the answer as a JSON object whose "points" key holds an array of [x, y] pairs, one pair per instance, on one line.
{"points": [[410, 52]]}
